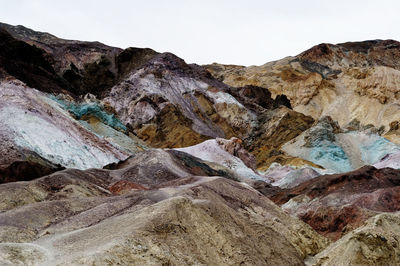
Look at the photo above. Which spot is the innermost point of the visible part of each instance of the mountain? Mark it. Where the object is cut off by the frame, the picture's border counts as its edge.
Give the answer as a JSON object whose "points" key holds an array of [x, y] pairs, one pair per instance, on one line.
{"points": [[81, 67], [350, 82], [116, 156]]}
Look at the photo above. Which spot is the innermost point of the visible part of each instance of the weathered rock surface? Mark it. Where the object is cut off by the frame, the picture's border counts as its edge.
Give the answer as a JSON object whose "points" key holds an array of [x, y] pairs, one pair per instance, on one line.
{"points": [[58, 65], [161, 99], [346, 81], [35, 129], [275, 128], [285, 76], [171, 104], [28, 64], [336, 204], [228, 153], [235, 147], [290, 130], [179, 218], [257, 98], [390, 160], [289, 176], [328, 145], [374, 243], [356, 54]]}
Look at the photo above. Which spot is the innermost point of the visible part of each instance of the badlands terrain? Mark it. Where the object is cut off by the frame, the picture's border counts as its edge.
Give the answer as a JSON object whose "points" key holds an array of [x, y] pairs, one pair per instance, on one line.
{"points": [[114, 156]]}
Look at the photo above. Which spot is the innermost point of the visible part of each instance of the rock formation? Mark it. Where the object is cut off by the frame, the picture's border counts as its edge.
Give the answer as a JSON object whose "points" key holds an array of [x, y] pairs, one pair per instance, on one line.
{"points": [[171, 211], [336, 204], [79, 67], [375, 243], [345, 81], [114, 156], [339, 150]]}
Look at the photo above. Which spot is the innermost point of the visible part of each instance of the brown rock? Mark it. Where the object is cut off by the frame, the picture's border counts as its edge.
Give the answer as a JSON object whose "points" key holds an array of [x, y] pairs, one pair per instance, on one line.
{"points": [[275, 129], [187, 219], [374, 243], [123, 186], [347, 81], [335, 204], [234, 146]]}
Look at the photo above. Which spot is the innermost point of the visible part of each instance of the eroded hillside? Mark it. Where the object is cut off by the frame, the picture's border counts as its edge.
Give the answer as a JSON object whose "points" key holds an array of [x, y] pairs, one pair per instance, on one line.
{"points": [[133, 157]]}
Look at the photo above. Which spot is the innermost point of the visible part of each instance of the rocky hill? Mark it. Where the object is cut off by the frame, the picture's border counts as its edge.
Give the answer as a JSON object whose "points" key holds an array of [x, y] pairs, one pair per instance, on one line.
{"points": [[348, 82], [116, 156]]}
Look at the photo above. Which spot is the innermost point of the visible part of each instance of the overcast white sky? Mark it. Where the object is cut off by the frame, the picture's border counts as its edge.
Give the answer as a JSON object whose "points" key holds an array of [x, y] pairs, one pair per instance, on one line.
{"points": [[250, 32]]}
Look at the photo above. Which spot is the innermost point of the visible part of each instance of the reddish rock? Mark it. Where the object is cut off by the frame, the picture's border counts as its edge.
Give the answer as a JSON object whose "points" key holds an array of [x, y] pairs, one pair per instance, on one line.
{"points": [[375, 52], [124, 186], [366, 179], [335, 204], [333, 222]]}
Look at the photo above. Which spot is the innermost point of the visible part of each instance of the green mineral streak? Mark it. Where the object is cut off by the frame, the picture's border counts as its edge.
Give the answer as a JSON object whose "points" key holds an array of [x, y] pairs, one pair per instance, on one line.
{"points": [[79, 110]]}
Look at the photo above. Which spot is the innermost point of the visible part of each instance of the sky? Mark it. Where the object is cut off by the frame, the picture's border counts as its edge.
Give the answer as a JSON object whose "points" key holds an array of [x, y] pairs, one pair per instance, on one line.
{"points": [[250, 32]]}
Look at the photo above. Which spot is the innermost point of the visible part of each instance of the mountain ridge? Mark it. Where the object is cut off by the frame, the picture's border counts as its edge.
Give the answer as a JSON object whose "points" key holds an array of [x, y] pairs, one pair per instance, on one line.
{"points": [[131, 156]]}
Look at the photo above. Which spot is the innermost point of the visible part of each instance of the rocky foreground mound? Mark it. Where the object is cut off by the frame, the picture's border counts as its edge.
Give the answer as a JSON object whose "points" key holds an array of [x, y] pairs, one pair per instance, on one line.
{"points": [[151, 209], [133, 157]]}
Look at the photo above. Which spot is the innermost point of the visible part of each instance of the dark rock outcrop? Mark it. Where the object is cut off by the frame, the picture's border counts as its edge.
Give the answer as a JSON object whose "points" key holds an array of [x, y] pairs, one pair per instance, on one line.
{"points": [[258, 99], [52, 64], [27, 170], [29, 64]]}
